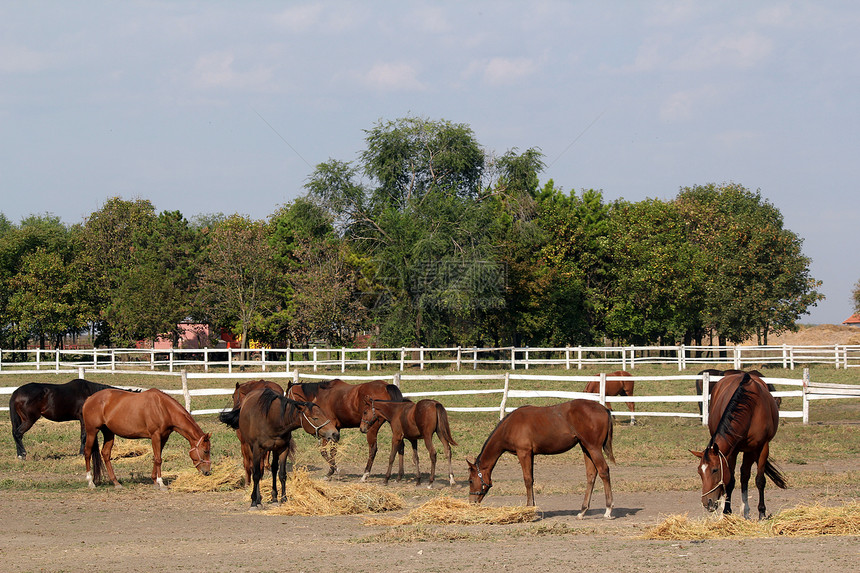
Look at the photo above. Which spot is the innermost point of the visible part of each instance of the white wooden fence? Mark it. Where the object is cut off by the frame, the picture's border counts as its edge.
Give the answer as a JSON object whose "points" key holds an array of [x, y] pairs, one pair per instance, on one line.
{"points": [[455, 358], [803, 388]]}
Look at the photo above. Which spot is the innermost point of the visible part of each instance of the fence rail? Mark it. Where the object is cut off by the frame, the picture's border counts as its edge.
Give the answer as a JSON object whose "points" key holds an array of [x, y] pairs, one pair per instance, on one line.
{"points": [[456, 358], [802, 388]]}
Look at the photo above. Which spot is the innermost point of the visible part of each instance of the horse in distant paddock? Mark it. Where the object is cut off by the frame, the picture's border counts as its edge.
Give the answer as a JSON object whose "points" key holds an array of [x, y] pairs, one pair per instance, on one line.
{"points": [[267, 421], [242, 390], [150, 414], [714, 373], [412, 420], [744, 418], [345, 404], [616, 388], [548, 430], [56, 402]]}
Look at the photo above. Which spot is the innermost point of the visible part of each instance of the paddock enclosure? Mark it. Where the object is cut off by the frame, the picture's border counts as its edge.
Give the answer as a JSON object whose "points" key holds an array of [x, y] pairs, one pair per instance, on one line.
{"points": [[54, 523]]}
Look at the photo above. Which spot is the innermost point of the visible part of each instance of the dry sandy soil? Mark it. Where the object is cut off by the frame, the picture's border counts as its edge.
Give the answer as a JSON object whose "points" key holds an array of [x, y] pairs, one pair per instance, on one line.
{"points": [[141, 529]]}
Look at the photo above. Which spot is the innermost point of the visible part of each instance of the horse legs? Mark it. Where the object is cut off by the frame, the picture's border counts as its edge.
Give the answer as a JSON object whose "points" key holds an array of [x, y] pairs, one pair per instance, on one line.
{"points": [[106, 450], [279, 463], [83, 436], [598, 464], [447, 447], [371, 448], [329, 454], [591, 476], [18, 431], [88, 454], [396, 447], [431, 449], [415, 460], [158, 443], [527, 462], [730, 484], [257, 474], [760, 481]]}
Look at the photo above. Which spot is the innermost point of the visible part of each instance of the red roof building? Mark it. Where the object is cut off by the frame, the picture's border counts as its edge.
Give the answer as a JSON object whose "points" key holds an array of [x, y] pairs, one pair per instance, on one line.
{"points": [[853, 320]]}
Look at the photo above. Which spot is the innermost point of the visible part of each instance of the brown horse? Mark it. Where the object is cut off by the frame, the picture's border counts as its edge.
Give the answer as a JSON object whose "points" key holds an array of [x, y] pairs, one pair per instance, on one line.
{"points": [[149, 414], [267, 421], [239, 394], [345, 404], [56, 402], [411, 420], [720, 373], [744, 418], [616, 388], [548, 430]]}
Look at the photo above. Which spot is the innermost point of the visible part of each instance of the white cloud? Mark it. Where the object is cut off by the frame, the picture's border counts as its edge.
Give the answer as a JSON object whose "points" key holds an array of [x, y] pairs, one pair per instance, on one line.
{"points": [[218, 70], [734, 51], [388, 76], [22, 60], [505, 71], [684, 105], [300, 18]]}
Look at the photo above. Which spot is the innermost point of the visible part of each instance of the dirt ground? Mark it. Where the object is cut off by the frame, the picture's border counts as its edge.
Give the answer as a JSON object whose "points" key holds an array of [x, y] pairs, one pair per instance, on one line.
{"points": [[141, 529]]}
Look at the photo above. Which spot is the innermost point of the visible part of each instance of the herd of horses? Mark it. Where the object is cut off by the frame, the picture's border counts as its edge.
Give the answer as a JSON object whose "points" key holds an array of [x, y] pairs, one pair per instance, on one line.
{"points": [[744, 418]]}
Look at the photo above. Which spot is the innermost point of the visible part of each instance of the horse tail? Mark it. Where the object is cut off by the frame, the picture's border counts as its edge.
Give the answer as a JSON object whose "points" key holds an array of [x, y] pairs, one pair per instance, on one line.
{"points": [[394, 392], [230, 417], [771, 471], [442, 426], [96, 462], [607, 443], [14, 416]]}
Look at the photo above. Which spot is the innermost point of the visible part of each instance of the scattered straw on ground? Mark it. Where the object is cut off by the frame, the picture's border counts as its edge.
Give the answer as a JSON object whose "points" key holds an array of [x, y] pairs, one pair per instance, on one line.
{"points": [[226, 475], [447, 510], [130, 449], [801, 521], [306, 496]]}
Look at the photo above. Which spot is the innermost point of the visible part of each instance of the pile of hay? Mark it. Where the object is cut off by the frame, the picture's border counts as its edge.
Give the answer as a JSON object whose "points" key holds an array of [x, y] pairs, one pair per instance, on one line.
{"points": [[306, 496], [801, 521], [130, 449], [447, 510], [226, 475]]}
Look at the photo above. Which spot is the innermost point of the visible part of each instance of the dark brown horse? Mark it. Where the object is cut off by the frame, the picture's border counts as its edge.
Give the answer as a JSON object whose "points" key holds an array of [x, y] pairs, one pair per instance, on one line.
{"points": [[548, 430], [345, 404], [239, 394], [744, 418], [714, 373], [411, 420], [267, 421], [616, 388], [56, 402], [150, 414]]}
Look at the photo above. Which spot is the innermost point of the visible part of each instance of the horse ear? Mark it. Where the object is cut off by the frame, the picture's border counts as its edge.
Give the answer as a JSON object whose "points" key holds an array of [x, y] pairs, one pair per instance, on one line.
{"points": [[237, 385], [697, 454], [471, 461]]}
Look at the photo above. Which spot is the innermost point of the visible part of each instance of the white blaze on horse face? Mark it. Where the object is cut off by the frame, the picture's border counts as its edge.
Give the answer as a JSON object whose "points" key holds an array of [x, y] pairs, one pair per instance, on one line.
{"points": [[704, 468]]}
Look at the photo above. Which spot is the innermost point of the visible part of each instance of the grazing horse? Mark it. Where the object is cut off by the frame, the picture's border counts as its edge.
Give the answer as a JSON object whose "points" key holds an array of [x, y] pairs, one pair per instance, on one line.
{"points": [[239, 394], [149, 414], [720, 373], [744, 419], [411, 420], [616, 388], [548, 430], [56, 402], [345, 403], [266, 421]]}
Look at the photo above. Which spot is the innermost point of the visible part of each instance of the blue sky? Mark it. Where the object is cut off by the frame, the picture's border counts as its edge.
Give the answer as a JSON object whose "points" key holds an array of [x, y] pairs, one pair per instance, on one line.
{"points": [[225, 107]]}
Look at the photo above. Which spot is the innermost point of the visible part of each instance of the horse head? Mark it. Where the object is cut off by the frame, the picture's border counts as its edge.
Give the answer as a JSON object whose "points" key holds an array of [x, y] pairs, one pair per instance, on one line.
{"points": [[369, 416], [480, 482], [714, 471], [200, 453], [315, 421]]}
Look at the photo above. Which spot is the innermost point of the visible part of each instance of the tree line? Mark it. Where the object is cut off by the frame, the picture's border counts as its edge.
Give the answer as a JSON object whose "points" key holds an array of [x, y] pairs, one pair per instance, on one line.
{"points": [[424, 239]]}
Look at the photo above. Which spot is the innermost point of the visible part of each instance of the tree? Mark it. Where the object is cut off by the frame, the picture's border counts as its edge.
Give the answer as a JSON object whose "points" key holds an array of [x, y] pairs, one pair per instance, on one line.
{"points": [[855, 294], [238, 274], [421, 227], [757, 278]]}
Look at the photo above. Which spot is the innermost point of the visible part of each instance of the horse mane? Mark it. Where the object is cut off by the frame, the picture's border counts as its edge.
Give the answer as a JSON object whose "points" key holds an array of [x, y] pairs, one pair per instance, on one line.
{"points": [[311, 389], [93, 387], [741, 403], [267, 397]]}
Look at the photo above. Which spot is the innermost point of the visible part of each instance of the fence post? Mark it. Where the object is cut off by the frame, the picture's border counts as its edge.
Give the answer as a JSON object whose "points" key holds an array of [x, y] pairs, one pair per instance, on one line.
{"points": [[170, 369], [1, 358], [505, 395], [706, 397], [603, 388], [396, 380], [785, 356], [567, 357], [513, 357], [57, 360], [682, 353], [402, 357], [475, 358], [421, 358], [527, 357], [38, 359], [805, 395], [459, 357], [579, 357], [296, 376], [315, 359], [184, 375], [112, 360], [263, 358], [737, 357], [80, 372]]}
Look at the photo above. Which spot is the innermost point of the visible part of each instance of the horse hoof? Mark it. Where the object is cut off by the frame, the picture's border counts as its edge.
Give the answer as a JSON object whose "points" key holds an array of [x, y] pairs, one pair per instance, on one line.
{"points": [[364, 477], [117, 486], [608, 515], [91, 485], [256, 507], [22, 457], [580, 515]]}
